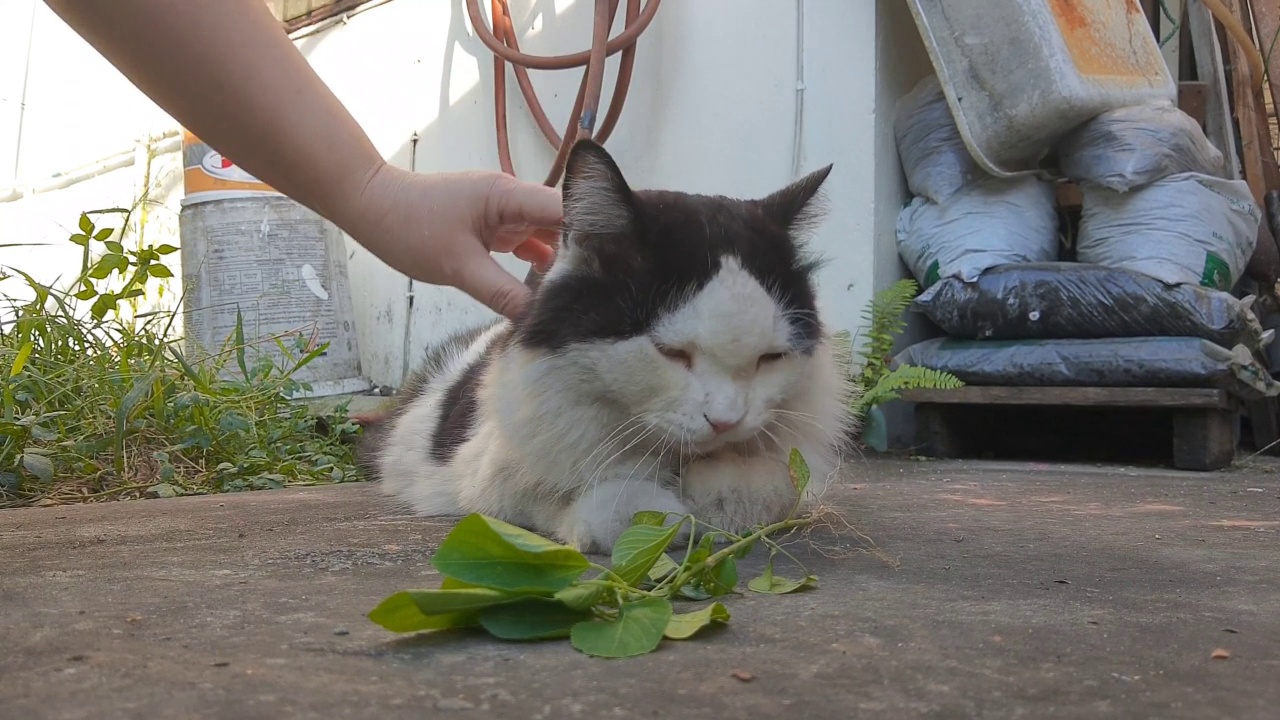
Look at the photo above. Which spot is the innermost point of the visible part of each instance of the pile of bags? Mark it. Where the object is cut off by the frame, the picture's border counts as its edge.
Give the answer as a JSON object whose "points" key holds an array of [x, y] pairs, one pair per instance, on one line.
{"points": [[1162, 241]]}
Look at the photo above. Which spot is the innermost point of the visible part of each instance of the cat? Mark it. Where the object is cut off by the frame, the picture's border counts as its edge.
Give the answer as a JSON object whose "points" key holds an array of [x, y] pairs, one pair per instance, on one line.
{"points": [[670, 359]]}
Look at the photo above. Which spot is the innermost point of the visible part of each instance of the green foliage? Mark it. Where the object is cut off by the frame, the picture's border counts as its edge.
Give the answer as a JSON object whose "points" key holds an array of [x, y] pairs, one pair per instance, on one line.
{"points": [[905, 377], [877, 383], [884, 318], [519, 586], [99, 400]]}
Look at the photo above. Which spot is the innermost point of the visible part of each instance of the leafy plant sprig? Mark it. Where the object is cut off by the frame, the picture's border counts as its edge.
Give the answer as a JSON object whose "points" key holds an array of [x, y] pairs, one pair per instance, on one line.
{"points": [[517, 585], [878, 383]]}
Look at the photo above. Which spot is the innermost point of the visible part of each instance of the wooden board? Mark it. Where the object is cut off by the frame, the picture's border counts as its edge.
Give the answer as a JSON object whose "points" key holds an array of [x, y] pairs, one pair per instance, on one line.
{"points": [[1194, 429], [1204, 398], [1209, 68]]}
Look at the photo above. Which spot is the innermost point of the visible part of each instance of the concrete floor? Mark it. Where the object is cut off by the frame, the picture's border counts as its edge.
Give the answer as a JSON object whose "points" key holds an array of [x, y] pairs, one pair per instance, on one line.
{"points": [[1021, 591]]}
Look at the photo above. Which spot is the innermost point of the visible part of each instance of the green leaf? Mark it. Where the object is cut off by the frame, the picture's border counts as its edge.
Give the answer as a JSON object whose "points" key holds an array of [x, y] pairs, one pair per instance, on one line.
{"points": [[649, 517], [693, 592], [80, 239], [414, 610], [531, 619], [240, 346], [662, 568], [38, 465], [770, 584], [86, 225], [798, 469], [107, 264], [494, 554], [105, 233], [684, 625], [580, 597], [105, 303], [638, 548], [86, 294], [20, 361], [722, 578], [159, 271], [638, 630], [165, 249], [112, 245]]}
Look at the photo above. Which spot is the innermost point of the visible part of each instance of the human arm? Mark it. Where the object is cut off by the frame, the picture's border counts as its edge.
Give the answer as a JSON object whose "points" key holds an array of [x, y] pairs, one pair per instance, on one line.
{"points": [[226, 71]]}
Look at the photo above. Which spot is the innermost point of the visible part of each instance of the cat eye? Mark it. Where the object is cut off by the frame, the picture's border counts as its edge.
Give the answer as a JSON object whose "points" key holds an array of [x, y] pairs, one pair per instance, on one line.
{"points": [[769, 358], [675, 355]]}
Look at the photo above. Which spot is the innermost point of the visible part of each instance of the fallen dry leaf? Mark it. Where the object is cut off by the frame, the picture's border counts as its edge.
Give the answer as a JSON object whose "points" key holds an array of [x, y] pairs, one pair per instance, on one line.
{"points": [[743, 676], [1220, 654]]}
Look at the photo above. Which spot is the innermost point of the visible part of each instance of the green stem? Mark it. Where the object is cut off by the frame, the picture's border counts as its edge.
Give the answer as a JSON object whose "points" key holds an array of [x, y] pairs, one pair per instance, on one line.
{"points": [[688, 572]]}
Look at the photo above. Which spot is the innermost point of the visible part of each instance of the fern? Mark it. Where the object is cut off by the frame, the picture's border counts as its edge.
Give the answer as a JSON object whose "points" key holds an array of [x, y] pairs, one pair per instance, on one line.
{"points": [[885, 323], [905, 377], [879, 384]]}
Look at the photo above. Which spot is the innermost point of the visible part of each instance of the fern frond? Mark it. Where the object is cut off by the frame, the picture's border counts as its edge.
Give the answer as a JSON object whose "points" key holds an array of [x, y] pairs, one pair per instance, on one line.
{"points": [[905, 377], [885, 321]]}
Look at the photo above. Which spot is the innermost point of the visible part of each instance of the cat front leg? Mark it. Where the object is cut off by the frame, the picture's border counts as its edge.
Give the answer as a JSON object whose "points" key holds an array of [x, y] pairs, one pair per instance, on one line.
{"points": [[596, 519], [737, 494]]}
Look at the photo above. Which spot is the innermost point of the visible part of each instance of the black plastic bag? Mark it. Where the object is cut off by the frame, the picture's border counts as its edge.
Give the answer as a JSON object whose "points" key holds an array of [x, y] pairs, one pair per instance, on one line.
{"points": [[1121, 362], [1062, 300]]}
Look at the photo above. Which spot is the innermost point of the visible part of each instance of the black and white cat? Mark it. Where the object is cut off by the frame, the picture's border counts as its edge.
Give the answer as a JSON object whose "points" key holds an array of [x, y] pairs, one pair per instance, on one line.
{"points": [[670, 360]]}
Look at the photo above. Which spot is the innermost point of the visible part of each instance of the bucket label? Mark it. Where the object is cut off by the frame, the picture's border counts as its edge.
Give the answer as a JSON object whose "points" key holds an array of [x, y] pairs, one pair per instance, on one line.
{"points": [[210, 175]]}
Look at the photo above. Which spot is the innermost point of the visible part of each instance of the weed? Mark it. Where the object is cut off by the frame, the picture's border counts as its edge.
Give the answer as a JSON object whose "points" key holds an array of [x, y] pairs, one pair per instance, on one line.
{"points": [[104, 403]]}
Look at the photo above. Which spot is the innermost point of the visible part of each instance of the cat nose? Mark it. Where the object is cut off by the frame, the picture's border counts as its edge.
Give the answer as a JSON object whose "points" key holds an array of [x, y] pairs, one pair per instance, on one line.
{"points": [[721, 426]]}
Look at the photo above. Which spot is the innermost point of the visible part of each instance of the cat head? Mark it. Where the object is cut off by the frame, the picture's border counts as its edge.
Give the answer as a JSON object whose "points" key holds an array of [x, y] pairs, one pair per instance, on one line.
{"points": [[695, 312]]}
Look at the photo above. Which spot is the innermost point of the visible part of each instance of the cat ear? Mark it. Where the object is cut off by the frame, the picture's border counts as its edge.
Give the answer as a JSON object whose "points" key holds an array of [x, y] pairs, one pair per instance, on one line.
{"points": [[793, 205], [597, 200]]}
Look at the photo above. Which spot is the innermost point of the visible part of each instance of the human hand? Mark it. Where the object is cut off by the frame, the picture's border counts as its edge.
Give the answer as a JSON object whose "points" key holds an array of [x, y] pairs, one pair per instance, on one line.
{"points": [[440, 228]]}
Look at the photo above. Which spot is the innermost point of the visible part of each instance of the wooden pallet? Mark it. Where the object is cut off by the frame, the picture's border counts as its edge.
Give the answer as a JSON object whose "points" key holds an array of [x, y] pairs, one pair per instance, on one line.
{"points": [[1200, 423]]}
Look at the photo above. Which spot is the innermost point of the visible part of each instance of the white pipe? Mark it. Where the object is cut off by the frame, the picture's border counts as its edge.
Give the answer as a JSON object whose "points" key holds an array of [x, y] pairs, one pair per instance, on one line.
{"points": [[798, 137], [163, 144]]}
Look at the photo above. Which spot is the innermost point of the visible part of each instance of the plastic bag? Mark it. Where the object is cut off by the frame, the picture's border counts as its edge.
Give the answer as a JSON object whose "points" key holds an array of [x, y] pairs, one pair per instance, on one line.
{"points": [[1135, 146], [993, 222], [1187, 228], [1119, 362], [1063, 300], [934, 157]]}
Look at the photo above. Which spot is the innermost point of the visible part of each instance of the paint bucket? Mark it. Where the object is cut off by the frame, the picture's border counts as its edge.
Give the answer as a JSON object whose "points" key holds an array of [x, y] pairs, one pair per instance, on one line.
{"points": [[252, 255], [209, 175]]}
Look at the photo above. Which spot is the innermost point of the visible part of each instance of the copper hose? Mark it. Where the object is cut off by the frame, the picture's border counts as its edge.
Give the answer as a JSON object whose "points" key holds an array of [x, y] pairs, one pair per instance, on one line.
{"points": [[501, 40]]}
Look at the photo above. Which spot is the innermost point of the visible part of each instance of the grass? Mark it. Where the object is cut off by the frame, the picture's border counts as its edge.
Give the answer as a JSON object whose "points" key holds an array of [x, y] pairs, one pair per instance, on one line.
{"points": [[100, 401]]}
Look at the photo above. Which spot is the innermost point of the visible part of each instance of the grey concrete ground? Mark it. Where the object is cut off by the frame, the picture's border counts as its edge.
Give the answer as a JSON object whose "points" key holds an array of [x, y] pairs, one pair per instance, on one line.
{"points": [[1020, 591]]}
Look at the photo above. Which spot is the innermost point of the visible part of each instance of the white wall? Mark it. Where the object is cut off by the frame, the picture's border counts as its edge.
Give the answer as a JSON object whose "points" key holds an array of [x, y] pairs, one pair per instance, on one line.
{"points": [[711, 108]]}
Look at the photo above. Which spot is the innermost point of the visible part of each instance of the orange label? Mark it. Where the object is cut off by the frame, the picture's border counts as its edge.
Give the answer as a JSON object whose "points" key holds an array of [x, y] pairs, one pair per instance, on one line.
{"points": [[205, 170]]}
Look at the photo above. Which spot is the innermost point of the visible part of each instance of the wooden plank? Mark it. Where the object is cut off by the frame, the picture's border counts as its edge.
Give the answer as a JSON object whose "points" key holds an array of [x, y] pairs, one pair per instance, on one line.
{"points": [[1069, 197], [1255, 137], [1209, 68], [1204, 440], [1265, 424], [1206, 398], [1193, 98], [1266, 20]]}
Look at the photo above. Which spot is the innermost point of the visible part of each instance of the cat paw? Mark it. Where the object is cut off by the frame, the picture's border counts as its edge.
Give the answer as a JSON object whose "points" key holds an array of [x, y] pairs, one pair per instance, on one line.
{"points": [[602, 513]]}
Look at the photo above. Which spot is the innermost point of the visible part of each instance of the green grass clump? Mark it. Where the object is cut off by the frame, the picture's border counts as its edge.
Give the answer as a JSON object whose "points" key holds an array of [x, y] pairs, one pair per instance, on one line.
{"points": [[100, 402]]}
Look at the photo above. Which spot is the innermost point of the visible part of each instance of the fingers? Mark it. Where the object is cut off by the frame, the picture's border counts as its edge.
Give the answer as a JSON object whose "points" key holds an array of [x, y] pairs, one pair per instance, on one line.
{"points": [[536, 253], [487, 281], [520, 203]]}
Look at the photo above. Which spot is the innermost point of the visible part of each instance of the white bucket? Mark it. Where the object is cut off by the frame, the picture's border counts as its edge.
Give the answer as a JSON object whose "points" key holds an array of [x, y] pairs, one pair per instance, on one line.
{"points": [[284, 269]]}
